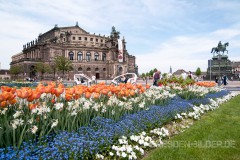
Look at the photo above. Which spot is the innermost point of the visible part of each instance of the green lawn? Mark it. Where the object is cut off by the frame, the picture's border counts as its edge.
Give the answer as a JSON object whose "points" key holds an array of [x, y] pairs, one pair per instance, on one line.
{"points": [[215, 137]]}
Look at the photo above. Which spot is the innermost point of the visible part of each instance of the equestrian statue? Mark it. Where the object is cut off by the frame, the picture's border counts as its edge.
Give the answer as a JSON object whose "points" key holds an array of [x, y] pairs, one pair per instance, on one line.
{"points": [[220, 48]]}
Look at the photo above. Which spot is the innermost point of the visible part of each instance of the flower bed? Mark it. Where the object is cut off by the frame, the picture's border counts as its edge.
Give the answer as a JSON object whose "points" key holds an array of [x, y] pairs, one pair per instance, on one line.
{"points": [[19, 84], [82, 122]]}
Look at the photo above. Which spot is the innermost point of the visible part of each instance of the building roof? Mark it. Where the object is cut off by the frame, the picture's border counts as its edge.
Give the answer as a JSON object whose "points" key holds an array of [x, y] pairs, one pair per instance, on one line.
{"points": [[235, 64], [3, 71], [179, 72]]}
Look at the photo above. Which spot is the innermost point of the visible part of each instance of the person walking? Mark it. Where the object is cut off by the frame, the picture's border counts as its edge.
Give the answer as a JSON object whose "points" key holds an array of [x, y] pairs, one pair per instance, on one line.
{"points": [[190, 74], [224, 80], [156, 77]]}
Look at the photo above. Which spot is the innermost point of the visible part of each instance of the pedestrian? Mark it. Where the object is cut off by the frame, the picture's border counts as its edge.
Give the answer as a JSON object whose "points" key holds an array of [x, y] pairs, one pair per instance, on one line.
{"points": [[224, 80], [190, 74], [94, 79], [156, 78], [216, 79]]}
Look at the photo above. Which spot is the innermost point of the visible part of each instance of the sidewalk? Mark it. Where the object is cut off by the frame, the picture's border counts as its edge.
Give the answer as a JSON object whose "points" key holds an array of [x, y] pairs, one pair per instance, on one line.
{"points": [[232, 86]]}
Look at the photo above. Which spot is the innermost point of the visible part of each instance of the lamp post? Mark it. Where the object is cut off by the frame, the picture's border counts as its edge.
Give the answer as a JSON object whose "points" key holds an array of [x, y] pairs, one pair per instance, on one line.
{"points": [[219, 76], [210, 70]]}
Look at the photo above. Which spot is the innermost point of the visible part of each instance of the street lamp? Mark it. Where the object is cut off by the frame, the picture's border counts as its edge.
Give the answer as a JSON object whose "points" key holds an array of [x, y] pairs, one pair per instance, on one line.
{"points": [[210, 69], [219, 76]]}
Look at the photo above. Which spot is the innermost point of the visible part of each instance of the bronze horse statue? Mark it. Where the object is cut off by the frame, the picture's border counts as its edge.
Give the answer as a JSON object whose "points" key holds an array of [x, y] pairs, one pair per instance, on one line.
{"points": [[220, 48]]}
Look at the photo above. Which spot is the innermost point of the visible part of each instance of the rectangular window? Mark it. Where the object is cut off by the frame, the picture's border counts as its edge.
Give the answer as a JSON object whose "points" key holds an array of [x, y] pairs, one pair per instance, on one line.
{"points": [[73, 38], [85, 38], [91, 39], [101, 40], [79, 38], [96, 40]]}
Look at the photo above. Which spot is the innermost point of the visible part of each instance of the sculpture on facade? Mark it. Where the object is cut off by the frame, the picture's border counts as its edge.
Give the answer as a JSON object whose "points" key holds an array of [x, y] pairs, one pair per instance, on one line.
{"points": [[220, 48]]}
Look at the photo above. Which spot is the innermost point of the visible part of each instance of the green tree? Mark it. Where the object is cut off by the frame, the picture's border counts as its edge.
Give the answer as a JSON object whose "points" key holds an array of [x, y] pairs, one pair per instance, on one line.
{"points": [[152, 71], [63, 64], [198, 72], [42, 68], [53, 70], [143, 76], [164, 75], [15, 70]]}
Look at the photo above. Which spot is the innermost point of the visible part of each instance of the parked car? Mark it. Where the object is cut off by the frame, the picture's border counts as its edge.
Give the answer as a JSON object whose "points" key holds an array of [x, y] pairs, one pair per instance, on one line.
{"points": [[82, 79], [125, 78]]}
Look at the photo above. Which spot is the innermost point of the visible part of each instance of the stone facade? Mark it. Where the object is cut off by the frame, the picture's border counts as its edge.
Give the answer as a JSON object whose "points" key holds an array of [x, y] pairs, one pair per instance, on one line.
{"points": [[4, 74], [90, 54], [219, 66]]}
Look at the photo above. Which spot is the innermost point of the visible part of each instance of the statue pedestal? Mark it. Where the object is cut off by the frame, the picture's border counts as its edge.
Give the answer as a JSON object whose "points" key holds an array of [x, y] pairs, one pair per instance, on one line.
{"points": [[218, 66]]}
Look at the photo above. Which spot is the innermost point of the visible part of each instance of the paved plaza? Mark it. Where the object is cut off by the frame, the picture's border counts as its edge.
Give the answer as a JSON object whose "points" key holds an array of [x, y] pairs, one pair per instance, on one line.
{"points": [[232, 85]]}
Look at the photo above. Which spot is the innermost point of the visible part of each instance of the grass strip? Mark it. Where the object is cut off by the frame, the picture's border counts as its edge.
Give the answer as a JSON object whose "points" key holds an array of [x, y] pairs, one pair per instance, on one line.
{"points": [[215, 136]]}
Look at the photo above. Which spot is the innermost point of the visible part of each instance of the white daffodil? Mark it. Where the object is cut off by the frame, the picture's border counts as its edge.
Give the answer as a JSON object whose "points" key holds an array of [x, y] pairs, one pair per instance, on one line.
{"points": [[99, 156], [111, 154], [17, 114], [55, 122], [34, 129], [58, 106]]}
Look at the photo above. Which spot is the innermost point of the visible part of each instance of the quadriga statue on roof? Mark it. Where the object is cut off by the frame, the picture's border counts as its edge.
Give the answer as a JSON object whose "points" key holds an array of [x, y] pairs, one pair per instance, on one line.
{"points": [[220, 48]]}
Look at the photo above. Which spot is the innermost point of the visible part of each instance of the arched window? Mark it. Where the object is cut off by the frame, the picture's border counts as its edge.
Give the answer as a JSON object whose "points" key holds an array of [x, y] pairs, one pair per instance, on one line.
{"points": [[71, 55], [104, 56], [96, 69], [88, 56], [96, 56], [80, 69], [88, 69], [80, 56]]}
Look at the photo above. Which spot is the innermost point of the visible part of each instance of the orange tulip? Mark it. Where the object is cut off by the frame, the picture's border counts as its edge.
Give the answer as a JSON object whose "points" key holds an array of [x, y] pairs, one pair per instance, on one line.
{"points": [[76, 96], [48, 89], [97, 90], [142, 90], [127, 92], [68, 97], [147, 86], [105, 91], [79, 91], [1, 98], [11, 96], [109, 94], [13, 90], [139, 86], [96, 95], [32, 106], [122, 93], [36, 95], [132, 93], [6, 95], [53, 101], [3, 104], [13, 101], [88, 95], [19, 93]]}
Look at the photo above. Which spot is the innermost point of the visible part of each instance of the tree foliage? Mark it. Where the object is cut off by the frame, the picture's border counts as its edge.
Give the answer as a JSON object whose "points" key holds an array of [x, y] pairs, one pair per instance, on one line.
{"points": [[63, 64], [53, 68], [42, 68], [198, 72], [16, 70]]}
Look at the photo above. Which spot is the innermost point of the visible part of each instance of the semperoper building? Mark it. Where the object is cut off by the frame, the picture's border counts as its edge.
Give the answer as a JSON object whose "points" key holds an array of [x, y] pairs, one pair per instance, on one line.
{"points": [[94, 55]]}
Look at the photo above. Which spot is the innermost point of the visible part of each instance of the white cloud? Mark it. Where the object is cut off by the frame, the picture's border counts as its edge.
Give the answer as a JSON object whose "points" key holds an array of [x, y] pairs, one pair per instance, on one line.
{"points": [[188, 52]]}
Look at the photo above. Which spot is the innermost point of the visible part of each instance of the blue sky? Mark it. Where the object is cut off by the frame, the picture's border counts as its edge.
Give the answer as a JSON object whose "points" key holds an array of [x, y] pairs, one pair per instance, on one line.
{"points": [[160, 33]]}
